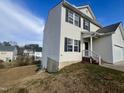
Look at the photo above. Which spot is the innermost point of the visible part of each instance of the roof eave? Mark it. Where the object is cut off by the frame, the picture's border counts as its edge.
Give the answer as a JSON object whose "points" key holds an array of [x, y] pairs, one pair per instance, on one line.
{"points": [[122, 30], [69, 6]]}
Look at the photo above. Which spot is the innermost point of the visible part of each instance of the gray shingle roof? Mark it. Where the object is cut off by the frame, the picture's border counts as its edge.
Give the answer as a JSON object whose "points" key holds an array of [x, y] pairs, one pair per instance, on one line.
{"points": [[109, 29], [7, 48]]}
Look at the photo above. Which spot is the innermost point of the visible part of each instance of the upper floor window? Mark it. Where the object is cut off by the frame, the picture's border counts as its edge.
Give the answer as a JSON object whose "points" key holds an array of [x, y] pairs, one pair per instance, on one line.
{"points": [[77, 20], [73, 18], [69, 16], [68, 44], [86, 25]]}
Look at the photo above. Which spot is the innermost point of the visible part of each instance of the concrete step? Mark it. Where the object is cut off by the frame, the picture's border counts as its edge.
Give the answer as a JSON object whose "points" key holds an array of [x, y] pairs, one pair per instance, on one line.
{"points": [[88, 59]]}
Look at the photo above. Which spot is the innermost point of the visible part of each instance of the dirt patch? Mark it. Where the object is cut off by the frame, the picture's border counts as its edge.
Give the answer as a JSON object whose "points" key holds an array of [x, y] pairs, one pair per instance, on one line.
{"points": [[10, 75], [76, 78]]}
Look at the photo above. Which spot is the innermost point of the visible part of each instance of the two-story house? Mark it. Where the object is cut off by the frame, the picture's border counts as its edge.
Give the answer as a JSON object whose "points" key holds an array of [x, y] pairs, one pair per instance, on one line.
{"points": [[72, 33], [36, 53]]}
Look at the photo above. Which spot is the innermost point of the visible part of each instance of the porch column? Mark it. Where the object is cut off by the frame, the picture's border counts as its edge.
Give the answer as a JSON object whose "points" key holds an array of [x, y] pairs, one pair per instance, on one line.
{"points": [[91, 48], [91, 44]]}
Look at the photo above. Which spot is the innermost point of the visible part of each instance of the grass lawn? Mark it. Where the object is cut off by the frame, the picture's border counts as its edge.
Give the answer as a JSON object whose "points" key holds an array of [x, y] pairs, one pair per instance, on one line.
{"points": [[76, 78]]}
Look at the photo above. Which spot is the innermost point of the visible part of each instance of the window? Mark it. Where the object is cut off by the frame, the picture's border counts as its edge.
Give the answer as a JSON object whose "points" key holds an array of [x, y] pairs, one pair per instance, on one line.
{"points": [[73, 18], [76, 46], [68, 45], [86, 25], [69, 16], [77, 20]]}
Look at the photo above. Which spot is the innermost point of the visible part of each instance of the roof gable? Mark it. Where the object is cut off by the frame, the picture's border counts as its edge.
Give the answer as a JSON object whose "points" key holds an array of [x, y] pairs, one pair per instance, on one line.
{"points": [[112, 28], [86, 9], [76, 10], [122, 30]]}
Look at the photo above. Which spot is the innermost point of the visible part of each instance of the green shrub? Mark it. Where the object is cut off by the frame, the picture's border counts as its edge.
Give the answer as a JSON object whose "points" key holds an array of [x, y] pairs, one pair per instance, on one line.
{"points": [[20, 61], [23, 61], [23, 90], [16, 90], [7, 64]]}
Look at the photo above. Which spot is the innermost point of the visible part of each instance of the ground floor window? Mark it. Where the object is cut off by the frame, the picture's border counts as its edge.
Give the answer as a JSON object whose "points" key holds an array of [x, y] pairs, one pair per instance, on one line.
{"points": [[76, 46], [68, 45]]}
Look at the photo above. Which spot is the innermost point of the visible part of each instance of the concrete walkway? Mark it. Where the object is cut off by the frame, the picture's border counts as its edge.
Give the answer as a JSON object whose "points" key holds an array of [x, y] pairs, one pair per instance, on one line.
{"points": [[118, 66]]}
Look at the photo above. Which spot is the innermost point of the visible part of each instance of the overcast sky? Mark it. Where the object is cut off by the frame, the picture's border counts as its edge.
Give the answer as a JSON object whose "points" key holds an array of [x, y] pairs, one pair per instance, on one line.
{"points": [[18, 24]]}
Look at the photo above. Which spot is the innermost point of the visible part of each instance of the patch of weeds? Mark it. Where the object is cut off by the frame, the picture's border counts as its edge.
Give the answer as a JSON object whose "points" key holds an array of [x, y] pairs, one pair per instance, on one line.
{"points": [[105, 73], [32, 83], [17, 90], [45, 83], [2, 66], [105, 78], [71, 68], [23, 90]]}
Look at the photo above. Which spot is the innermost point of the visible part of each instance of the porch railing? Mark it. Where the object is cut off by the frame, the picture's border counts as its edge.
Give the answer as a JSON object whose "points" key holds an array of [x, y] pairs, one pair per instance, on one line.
{"points": [[91, 54]]}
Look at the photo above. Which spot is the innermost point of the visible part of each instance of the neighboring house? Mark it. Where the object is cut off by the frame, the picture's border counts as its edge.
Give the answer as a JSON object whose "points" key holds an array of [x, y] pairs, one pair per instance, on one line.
{"points": [[8, 53], [28, 52], [20, 51], [72, 33], [36, 53]]}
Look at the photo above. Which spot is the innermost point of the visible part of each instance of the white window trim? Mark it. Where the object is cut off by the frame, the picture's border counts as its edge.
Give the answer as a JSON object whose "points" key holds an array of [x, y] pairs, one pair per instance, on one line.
{"points": [[72, 17], [76, 20], [76, 45]]}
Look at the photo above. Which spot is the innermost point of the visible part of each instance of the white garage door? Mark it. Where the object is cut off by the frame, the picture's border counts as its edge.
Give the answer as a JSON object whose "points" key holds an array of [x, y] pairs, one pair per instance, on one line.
{"points": [[118, 53]]}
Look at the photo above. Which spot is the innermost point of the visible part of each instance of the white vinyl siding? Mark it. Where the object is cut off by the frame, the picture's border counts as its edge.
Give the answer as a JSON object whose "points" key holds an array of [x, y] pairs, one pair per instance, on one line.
{"points": [[103, 47], [119, 53], [118, 46]]}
